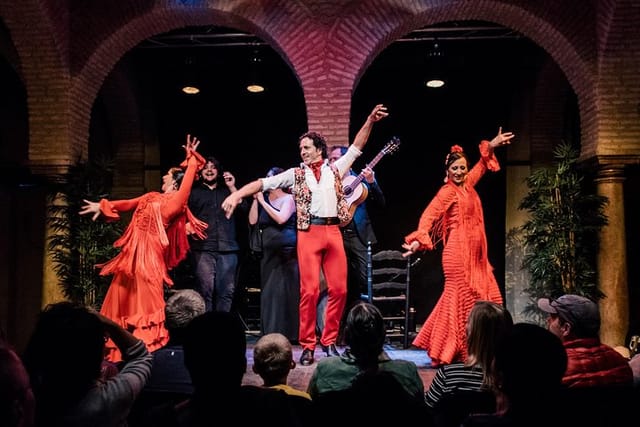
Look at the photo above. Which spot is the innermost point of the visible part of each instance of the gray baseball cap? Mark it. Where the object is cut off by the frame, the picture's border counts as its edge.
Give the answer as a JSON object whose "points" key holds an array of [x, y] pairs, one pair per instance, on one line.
{"points": [[582, 313]]}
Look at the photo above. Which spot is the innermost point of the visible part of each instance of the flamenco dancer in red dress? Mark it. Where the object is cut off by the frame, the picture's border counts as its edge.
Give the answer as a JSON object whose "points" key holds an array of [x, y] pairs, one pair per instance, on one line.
{"points": [[455, 217], [154, 242]]}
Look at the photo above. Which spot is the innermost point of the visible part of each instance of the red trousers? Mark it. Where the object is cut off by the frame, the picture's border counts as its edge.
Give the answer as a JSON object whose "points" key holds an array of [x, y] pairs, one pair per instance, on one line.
{"points": [[321, 247]]}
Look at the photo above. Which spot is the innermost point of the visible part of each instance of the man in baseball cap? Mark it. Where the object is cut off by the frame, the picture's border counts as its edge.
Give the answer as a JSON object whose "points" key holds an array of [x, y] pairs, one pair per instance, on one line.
{"points": [[582, 313], [576, 321]]}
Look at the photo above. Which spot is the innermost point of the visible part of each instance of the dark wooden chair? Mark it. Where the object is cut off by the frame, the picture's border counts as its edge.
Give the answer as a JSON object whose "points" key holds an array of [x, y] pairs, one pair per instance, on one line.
{"points": [[388, 288]]}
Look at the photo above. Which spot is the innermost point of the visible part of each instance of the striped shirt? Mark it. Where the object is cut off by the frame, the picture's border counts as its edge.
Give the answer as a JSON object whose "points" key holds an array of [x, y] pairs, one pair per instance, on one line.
{"points": [[451, 378]]}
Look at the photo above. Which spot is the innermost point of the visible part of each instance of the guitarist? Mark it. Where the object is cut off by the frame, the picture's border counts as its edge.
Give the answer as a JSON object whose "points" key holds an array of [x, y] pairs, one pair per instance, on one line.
{"points": [[358, 232]]}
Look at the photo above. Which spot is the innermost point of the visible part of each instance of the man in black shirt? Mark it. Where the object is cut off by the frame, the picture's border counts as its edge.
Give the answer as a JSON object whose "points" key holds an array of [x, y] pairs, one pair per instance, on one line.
{"points": [[215, 258]]}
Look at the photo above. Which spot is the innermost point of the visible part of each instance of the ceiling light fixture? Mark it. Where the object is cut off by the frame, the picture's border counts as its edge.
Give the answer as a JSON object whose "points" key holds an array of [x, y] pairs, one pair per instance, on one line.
{"points": [[190, 87], [435, 74], [190, 90], [434, 83], [255, 88], [255, 85]]}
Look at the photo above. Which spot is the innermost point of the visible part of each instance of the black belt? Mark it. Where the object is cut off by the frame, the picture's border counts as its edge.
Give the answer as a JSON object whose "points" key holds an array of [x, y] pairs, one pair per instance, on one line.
{"points": [[332, 220]]}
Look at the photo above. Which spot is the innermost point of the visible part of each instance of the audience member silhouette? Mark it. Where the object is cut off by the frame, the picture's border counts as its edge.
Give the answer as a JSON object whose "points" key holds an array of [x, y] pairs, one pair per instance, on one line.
{"points": [[17, 403], [461, 388], [169, 373], [273, 360], [64, 357], [529, 366], [374, 398], [215, 355], [170, 381], [365, 335], [576, 321]]}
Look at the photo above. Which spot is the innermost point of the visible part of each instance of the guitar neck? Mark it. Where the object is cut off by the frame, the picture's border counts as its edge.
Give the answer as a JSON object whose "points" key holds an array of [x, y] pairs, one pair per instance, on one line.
{"points": [[371, 164]]}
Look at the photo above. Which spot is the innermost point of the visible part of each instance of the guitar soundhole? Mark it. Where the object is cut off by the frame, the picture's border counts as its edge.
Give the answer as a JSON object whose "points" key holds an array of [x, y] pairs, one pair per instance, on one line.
{"points": [[347, 191]]}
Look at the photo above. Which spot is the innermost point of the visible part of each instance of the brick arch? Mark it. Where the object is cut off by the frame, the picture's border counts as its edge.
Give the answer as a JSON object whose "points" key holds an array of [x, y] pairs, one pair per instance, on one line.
{"points": [[390, 21], [27, 19], [87, 82], [43, 70]]}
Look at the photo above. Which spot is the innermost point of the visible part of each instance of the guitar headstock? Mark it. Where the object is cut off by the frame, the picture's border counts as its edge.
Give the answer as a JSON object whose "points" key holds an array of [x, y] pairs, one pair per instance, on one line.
{"points": [[391, 146]]}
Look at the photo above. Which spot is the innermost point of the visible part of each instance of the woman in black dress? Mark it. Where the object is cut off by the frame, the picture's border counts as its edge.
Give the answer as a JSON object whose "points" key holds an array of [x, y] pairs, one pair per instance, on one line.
{"points": [[275, 213]]}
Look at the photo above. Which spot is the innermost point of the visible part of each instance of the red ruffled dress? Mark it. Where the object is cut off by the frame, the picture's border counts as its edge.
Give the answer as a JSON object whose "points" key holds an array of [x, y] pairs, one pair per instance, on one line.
{"points": [[455, 217], [154, 242]]}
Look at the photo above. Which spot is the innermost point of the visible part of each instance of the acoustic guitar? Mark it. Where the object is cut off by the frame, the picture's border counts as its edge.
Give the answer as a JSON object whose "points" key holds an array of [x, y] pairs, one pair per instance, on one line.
{"points": [[355, 192]]}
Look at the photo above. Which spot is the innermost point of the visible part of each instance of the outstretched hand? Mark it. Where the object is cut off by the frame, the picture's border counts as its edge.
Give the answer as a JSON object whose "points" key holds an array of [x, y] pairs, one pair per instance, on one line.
{"points": [[501, 139], [192, 144], [90, 207]]}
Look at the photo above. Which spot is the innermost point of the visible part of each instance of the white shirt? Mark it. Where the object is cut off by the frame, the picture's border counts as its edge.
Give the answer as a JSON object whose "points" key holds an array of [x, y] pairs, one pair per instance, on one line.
{"points": [[324, 202]]}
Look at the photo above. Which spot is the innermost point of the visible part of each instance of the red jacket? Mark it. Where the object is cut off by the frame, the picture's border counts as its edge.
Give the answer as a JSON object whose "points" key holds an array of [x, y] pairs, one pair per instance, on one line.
{"points": [[592, 363]]}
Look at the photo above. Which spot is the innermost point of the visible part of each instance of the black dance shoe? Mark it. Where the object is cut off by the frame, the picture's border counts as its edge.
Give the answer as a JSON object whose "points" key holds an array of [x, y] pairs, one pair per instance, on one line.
{"points": [[330, 350], [307, 357]]}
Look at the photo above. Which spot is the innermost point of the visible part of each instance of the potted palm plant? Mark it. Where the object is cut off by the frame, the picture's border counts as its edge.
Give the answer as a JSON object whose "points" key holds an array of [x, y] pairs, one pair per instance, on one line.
{"points": [[77, 243], [560, 238]]}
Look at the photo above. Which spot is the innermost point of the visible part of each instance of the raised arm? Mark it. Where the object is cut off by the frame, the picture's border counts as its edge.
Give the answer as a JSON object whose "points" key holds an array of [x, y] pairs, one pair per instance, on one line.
{"points": [[488, 160], [378, 113], [194, 161]]}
